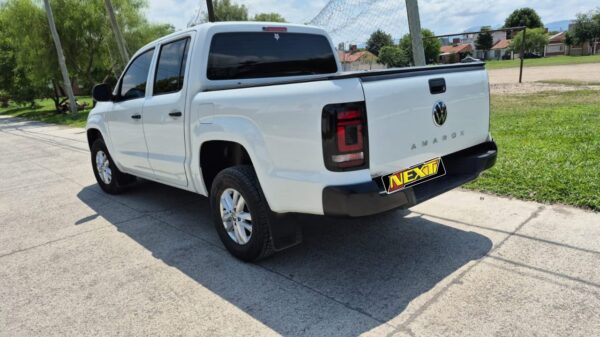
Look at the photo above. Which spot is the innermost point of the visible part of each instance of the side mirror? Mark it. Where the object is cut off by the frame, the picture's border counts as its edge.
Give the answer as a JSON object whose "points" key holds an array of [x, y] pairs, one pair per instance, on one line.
{"points": [[102, 93]]}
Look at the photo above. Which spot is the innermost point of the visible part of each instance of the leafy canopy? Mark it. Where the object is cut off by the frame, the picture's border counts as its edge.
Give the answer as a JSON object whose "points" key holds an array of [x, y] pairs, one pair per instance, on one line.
{"points": [[88, 43], [535, 41], [269, 17], [431, 45], [378, 40], [586, 27], [524, 16], [225, 10]]}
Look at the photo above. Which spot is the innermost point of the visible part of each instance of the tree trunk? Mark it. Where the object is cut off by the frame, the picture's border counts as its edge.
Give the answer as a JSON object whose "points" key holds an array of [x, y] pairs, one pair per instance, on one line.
{"points": [[118, 36], [56, 97], [61, 58]]}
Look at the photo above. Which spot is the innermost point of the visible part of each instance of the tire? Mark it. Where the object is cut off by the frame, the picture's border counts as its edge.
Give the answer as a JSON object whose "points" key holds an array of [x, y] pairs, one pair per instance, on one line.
{"points": [[243, 180], [118, 180]]}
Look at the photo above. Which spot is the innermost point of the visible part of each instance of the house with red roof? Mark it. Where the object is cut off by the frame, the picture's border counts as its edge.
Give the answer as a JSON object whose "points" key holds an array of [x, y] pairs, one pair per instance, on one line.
{"points": [[358, 60], [455, 52], [556, 45], [501, 50]]}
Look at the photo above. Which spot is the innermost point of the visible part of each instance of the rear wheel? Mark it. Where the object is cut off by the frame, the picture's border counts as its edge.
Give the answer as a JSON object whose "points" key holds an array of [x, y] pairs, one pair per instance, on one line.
{"points": [[108, 176], [241, 213]]}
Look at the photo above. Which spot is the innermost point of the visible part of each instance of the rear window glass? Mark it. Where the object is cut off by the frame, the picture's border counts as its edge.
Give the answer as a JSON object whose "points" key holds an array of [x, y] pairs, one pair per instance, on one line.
{"points": [[236, 56]]}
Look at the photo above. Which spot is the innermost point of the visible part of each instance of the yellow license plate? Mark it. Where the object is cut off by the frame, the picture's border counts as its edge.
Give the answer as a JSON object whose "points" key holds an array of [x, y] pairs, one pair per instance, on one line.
{"points": [[415, 175]]}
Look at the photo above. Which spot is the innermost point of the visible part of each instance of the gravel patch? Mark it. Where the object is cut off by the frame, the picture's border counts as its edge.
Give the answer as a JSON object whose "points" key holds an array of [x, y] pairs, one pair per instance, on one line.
{"points": [[578, 72], [533, 87]]}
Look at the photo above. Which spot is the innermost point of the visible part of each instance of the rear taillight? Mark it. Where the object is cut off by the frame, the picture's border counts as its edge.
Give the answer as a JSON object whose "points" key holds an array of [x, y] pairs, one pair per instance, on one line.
{"points": [[345, 136]]}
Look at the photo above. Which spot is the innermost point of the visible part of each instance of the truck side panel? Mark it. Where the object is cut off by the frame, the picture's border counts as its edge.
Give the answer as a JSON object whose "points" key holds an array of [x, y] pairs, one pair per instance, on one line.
{"points": [[280, 127]]}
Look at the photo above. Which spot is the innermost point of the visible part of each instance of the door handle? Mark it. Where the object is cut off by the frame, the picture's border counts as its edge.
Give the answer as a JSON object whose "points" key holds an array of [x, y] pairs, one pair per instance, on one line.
{"points": [[175, 114], [437, 86], [136, 116]]}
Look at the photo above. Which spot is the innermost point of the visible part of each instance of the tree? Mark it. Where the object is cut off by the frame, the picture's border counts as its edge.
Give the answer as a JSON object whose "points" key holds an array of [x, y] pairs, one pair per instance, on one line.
{"points": [[569, 41], [135, 28], [269, 17], [225, 10], [378, 40], [28, 52], [596, 18], [586, 27], [432, 46], [116, 31], [535, 41], [8, 63], [61, 58], [527, 17], [90, 50], [485, 40], [393, 56]]}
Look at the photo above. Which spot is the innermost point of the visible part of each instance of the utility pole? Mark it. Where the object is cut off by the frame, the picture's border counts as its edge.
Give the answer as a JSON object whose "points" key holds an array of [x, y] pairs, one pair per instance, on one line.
{"points": [[414, 24], [118, 36], [61, 58], [211, 11]]}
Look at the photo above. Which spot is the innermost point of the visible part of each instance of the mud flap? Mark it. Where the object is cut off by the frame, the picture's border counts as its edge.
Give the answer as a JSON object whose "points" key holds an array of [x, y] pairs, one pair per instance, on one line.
{"points": [[286, 231]]}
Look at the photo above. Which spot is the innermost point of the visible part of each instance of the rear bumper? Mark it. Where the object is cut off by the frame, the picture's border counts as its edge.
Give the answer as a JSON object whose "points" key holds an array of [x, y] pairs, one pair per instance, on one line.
{"points": [[367, 198]]}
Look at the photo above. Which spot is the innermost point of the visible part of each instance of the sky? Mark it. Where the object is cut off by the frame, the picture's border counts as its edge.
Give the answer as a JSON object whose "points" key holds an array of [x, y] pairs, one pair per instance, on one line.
{"points": [[441, 16]]}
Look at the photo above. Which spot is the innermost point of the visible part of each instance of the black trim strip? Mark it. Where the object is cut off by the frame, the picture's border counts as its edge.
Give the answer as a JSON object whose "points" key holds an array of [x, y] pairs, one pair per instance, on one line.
{"points": [[368, 198], [422, 71], [376, 75]]}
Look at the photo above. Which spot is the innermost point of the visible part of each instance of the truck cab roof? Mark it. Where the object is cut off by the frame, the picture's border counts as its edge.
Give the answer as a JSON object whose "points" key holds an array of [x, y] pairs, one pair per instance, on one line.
{"points": [[240, 26]]}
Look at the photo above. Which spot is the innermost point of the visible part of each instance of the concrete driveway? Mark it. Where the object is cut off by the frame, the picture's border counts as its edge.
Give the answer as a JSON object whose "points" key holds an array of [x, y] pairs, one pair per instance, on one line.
{"points": [[77, 262]]}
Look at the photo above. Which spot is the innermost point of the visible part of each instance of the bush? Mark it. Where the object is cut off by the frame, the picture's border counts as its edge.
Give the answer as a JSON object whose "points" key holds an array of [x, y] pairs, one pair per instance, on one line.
{"points": [[4, 97], [392, 56]]}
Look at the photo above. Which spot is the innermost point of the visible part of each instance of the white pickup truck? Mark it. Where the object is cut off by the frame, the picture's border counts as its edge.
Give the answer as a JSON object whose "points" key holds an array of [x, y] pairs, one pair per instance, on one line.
{"points": [[260, 118]]}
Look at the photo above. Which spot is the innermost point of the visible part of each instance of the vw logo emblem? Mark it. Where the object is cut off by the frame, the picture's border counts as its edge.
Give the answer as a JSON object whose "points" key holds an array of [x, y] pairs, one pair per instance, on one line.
{"points": [[440, 113]]}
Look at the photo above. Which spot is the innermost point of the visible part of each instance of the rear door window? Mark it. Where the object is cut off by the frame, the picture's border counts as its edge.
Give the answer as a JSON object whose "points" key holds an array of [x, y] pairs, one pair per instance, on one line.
{"points": [[245, 55], [171, 67]]}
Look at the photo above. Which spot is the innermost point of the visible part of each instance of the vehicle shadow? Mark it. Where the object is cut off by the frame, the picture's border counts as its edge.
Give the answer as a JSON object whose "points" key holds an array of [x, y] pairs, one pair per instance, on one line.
{"points": [[348, 277]]}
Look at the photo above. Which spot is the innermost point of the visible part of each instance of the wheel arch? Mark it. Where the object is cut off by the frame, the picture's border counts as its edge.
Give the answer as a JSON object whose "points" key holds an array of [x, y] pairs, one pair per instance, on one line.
{"points": [[93, 134], [217, 155]]}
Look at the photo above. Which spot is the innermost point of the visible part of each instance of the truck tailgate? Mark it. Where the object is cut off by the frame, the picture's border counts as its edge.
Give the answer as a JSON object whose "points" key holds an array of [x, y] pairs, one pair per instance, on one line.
{"points": [[400, 110]]}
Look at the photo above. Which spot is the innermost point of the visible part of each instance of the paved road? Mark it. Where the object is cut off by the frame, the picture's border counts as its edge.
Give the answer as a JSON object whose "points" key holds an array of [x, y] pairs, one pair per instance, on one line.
{"points": [[74, 261], [577, 72]]}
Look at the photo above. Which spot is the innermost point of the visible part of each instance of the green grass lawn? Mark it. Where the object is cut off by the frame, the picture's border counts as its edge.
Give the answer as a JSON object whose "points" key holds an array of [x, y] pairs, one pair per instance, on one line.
{"points": [[546, 61], [45, 112], [549, 148]]}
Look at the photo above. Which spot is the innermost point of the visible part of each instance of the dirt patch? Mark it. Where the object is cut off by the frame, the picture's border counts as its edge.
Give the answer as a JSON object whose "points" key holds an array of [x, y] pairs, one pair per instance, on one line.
{"points": [[578, 72]]}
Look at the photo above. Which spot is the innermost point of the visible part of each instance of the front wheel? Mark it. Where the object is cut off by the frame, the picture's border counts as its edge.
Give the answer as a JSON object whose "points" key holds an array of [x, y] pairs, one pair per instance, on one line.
{"points": [[108, 176], [241, 213]]}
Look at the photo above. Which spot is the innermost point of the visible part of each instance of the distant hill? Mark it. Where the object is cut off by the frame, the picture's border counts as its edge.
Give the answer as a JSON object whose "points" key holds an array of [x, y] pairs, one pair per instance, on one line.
{"points": [[478, 28], [558, 26]]}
